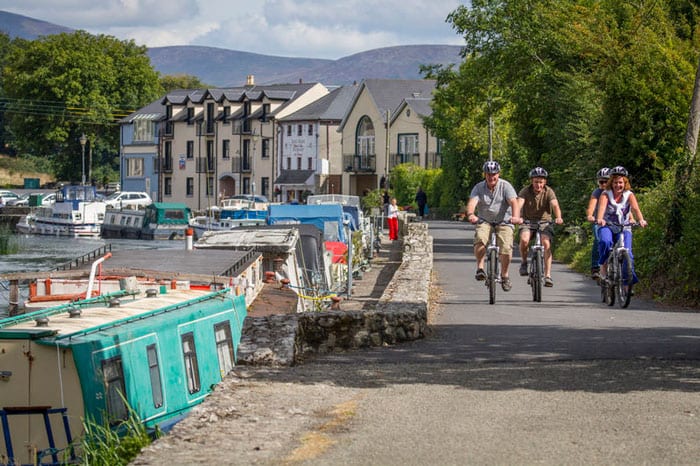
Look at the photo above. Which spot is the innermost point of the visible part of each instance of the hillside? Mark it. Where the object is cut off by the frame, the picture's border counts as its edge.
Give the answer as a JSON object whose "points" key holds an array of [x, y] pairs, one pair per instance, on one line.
{"points": [[225, 68]]}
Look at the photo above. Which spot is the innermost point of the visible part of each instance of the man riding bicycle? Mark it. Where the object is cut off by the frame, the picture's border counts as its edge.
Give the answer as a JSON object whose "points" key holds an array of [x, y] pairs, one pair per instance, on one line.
{"points": [[537, 202], [496, 201]]}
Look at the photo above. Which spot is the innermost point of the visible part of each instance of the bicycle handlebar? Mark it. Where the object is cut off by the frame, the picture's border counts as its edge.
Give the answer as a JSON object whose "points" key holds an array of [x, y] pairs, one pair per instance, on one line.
{"points": [[493, 224]]}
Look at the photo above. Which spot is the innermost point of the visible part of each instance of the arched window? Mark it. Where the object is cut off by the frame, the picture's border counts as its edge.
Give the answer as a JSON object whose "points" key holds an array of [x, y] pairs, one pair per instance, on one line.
{"points": [[364, 145]]}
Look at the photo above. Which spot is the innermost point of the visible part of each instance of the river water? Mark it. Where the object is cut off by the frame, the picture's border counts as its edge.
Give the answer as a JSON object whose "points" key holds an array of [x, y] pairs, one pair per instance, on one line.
{"points": [[38, 253]]}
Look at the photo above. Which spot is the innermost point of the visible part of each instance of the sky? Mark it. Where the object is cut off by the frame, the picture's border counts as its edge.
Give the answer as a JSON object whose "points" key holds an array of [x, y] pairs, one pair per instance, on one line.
{"points": [[329, 29]]}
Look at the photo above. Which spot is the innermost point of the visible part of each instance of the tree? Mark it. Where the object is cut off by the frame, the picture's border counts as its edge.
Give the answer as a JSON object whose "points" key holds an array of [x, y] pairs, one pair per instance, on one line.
{"points": [[61, 86], [172, 82], [572, 85]]}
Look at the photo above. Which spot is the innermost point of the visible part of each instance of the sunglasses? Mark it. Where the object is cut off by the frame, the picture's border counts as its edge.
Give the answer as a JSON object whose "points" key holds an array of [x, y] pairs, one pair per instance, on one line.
{"points": [[602, 181]]}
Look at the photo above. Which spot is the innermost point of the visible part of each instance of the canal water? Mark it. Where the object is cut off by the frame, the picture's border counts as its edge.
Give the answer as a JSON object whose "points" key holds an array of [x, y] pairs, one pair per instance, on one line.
{"points": [[39, 253]]}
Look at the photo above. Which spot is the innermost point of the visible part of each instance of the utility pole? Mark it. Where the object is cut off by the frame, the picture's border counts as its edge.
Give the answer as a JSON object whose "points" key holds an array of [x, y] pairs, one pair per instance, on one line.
{"points": [[490, 137]]}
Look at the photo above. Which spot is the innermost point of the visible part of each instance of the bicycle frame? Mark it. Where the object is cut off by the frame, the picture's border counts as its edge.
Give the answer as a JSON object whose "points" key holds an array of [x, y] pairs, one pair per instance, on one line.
{"points": [[620, 273], [536, 259], [492, 261]]}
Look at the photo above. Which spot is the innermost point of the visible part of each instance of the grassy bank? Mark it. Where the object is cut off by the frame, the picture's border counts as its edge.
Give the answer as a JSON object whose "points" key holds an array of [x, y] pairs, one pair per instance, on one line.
{"points": [[13, 171]]}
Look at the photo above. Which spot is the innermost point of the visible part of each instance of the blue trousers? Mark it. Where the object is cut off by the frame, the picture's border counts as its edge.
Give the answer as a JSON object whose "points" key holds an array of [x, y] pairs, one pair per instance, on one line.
{"points": [[606, 240], [594, 249]]}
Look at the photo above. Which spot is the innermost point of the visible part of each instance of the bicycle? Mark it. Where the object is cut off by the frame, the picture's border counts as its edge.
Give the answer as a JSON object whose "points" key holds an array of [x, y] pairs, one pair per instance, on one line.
{"points": [[617, 284], [535, 259], [493, 265]]}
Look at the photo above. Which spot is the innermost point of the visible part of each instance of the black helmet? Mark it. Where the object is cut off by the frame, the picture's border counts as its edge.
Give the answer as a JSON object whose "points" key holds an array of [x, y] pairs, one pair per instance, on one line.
{"points": [[603, 173], [538, 172], [619, 170], [492, 167]]}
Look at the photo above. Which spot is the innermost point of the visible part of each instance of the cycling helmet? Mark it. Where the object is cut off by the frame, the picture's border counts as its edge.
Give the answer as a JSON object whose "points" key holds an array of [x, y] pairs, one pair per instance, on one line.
{"points": [[603, 173], [492, 167], [619, 170], [538, 172]]}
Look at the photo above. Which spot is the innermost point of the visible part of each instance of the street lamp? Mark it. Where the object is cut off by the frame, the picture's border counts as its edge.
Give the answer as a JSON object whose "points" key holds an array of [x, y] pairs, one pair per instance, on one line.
{"points": [[83, 140]]}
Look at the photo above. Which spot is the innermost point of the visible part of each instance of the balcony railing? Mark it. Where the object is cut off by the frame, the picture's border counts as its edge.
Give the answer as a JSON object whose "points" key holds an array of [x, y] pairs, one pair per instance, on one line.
{"points": [[163, 165], [205, 165], [359, 163], [434, 160], [397, 159]]}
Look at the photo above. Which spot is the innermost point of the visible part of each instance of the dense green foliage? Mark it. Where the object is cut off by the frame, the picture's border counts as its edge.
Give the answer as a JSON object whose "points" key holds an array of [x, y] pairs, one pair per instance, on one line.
{"points": [[61, 86], [574, 85], [181, 81]]}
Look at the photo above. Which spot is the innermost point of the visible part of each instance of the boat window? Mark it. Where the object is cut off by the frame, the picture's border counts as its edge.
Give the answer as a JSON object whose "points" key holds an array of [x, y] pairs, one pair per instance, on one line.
{"points": [[224, 346], [175, 214], [191, 367], [115, 394], [154, 372]]}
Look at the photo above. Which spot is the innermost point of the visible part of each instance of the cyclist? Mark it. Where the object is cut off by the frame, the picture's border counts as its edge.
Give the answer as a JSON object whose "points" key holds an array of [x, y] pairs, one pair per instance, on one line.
{"points": [[602, 176], [616, 204], [537, 203], [496, 201]]}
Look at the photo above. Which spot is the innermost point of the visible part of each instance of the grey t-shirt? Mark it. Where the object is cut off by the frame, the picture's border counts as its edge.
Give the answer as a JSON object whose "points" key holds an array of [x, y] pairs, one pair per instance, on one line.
{"points": [[493, 205]]}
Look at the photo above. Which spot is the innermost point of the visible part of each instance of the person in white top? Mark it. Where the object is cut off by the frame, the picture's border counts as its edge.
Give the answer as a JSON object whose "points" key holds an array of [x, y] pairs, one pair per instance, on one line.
{"points": [[392, 219]]}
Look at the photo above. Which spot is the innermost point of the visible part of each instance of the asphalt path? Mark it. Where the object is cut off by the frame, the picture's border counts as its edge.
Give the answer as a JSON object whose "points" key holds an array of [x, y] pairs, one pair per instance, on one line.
{"points": [[568, 380]]}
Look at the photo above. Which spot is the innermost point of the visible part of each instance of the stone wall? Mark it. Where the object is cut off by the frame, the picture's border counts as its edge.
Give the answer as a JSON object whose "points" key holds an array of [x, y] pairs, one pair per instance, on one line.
{"points": [[400, 315]]}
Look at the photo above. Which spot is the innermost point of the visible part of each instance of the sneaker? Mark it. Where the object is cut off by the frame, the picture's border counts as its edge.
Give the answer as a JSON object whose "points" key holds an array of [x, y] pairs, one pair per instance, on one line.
{"points": [[506, 284], [480, 275], [523, 269], [548, 282], [595, 273]]}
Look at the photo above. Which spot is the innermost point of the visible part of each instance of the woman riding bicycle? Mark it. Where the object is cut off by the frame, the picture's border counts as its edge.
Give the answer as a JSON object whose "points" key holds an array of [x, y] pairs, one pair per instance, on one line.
{"points": [[615, 206], [537, 203]]}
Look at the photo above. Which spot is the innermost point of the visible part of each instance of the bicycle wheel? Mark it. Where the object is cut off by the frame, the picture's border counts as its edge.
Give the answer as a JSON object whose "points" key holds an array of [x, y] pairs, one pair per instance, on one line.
{"points": [[492, 274], [624, 279], [536, 275], [610, 281]]}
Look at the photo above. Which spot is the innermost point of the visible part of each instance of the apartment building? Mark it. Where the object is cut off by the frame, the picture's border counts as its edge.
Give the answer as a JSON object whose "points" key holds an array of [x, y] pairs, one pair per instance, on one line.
{"points": [[382, 127], [310, 153], [282, 141], [199, 146]]}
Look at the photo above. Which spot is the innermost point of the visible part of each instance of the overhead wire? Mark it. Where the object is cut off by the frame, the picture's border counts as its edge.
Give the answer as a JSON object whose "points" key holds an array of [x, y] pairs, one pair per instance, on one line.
{"points": [[56, 109]]}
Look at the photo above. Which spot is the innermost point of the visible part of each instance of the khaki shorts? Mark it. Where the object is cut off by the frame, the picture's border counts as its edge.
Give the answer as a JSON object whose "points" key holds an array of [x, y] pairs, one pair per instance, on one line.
{"points": [[504, 237]]}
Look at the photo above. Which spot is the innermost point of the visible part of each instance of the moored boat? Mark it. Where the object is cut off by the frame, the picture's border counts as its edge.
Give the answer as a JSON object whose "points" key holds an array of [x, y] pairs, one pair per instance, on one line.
{"points": [[158, 352], [75, 213], [159, 220]]}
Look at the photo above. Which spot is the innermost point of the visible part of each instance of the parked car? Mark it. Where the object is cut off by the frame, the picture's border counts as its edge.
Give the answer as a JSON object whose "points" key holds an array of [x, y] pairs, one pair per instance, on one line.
{"points": [[23, 200], [137, 200], [7, 196]]}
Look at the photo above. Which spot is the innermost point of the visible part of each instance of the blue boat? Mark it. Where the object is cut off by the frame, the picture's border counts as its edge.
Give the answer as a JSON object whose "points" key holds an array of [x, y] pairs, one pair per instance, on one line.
{"points": [[328, 218], [159, 352]]}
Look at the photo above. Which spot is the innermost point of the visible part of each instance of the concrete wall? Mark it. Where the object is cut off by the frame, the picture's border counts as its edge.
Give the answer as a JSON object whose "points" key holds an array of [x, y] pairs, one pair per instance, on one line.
{"points": [[401, 315]]}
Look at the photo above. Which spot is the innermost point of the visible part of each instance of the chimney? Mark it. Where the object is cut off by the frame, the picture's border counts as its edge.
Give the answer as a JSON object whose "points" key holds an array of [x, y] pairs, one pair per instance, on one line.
{"points": [[250, 80]]}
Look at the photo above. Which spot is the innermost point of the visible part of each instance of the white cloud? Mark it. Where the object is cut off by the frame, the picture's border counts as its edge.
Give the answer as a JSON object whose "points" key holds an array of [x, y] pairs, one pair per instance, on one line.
{"points": [[301, 28]]}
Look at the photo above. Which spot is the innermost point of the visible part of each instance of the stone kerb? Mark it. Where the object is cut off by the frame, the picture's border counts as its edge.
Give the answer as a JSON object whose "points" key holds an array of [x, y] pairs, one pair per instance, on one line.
{"points": [[400, 315]]}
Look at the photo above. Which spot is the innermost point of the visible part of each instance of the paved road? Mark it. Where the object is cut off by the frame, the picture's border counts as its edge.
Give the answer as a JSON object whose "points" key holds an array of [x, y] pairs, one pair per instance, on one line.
{"points": [[566, 381]]}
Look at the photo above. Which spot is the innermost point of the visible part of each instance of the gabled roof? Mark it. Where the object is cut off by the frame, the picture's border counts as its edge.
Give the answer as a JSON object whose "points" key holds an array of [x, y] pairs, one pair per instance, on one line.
{"points": [[332, 106], [388, 94], [156, 109], [420, 106]]}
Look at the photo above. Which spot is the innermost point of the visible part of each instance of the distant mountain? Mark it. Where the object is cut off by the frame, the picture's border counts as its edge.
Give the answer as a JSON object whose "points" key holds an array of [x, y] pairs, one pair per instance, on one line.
{"points": [[225, 68], [27, 28]]}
